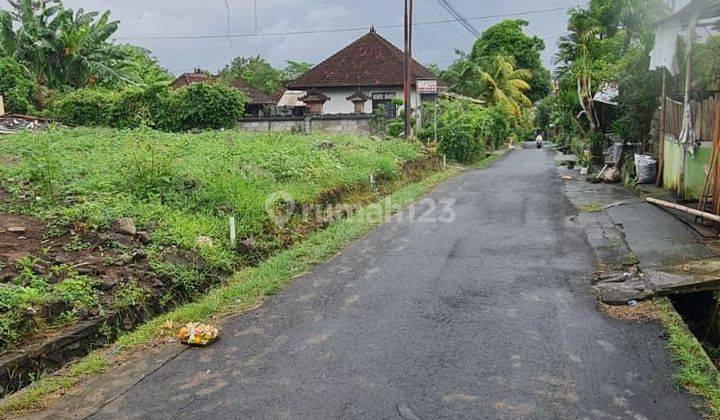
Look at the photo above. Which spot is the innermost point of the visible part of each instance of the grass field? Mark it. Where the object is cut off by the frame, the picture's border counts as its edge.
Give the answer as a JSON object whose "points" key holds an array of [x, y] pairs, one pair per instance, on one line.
{"points": [[73, 183]]}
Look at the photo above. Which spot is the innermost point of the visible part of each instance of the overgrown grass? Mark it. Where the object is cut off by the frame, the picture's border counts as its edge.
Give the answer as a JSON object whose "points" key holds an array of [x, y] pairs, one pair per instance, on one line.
{"points": [[177, 186], [186, 184], [242, 292], [694, 369]]}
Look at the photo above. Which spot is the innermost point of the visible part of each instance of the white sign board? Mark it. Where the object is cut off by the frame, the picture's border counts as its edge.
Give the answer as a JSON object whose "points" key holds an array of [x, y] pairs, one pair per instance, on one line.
{"points": [[427, 86]]}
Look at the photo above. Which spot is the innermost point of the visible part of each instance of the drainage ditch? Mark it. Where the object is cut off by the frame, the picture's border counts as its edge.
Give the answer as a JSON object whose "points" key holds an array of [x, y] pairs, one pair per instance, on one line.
{"points": [[701, 313]]}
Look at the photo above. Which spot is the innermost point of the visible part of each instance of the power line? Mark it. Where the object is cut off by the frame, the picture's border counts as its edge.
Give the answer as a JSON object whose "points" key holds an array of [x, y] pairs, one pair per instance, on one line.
{"points": [[337, 30], [459, 17]]}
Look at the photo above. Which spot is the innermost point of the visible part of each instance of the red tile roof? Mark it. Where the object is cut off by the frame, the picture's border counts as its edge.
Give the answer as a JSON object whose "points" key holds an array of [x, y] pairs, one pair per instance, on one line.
{"points": [[255, 96], [186, 79], [369, 61]]}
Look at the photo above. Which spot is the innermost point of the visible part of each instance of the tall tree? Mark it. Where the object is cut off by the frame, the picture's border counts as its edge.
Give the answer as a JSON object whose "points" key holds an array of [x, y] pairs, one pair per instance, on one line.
{"points": [[257, 72], [507, 38], [295, 69], [493, 79]]}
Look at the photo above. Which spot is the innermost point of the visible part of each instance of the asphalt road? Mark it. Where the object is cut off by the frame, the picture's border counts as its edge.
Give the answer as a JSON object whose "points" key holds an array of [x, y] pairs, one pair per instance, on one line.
{"points": [[489, 316]]}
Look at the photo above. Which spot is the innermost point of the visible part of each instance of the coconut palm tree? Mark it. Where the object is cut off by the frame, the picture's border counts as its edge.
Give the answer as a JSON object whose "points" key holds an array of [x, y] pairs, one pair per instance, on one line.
{"points": [[493, 79], [502, 83]]}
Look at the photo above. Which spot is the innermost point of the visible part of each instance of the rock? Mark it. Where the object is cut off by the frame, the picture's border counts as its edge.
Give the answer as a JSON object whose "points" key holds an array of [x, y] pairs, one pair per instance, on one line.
{"points": [[143, 237], [125, 226], [139, 256], [246, 246], [16, 229], [204, 241], [622, 293], [611, 175], [107, 283]]}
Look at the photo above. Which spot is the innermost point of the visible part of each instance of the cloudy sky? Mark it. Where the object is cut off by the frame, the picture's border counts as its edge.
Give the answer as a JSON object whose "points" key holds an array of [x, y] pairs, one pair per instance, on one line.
{"points": [[433, 43]]}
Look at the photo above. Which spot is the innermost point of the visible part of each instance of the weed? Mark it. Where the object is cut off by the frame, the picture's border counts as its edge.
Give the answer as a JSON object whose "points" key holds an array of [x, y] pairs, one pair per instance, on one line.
{"points": [[76, 244], [130, 295], [694, 370], [591, 208], [78, 291]]}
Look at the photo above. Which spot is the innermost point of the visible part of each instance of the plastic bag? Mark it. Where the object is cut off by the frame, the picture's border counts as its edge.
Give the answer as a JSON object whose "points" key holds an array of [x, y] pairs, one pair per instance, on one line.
{"points": [[645, 167]]}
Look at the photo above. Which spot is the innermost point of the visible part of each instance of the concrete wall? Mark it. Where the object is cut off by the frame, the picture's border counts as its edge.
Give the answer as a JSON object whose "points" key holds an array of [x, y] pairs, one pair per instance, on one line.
{"points": [[696, 167], [339, 105], [361, 125], [272, 124]]}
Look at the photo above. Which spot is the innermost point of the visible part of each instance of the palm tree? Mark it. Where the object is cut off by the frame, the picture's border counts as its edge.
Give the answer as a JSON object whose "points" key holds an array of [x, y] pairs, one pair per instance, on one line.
{"points": [[493, 79], [502, 83], [576, 53]]}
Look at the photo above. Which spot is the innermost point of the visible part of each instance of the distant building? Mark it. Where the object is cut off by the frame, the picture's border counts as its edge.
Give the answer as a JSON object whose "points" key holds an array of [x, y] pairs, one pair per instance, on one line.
{"points": [[258, 101], [362, 77], [186, 79]]}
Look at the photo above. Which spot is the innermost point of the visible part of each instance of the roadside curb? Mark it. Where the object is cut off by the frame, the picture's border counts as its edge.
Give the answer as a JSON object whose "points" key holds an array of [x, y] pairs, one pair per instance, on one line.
{"points": [[693, 368]]}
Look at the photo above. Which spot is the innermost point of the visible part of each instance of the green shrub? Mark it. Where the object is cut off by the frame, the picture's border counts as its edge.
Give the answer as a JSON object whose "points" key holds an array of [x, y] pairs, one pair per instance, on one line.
{"points": [[88, 107], [16, 87], [459, 131], [78, 292], [201, 106], [395, 128], [139, 105]]}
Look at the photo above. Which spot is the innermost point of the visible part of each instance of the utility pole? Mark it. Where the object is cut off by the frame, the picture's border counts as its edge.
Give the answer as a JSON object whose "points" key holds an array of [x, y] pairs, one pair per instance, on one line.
{"points": [[408, 65]]}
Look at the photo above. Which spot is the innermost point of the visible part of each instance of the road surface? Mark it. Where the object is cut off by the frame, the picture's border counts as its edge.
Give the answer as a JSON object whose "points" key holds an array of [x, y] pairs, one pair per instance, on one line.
{"points": [[489, 316]]}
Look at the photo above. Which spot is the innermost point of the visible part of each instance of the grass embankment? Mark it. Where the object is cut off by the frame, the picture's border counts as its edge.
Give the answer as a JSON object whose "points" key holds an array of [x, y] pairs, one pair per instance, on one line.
{"points": [[694, 369], [241, 292], [180, 191]]}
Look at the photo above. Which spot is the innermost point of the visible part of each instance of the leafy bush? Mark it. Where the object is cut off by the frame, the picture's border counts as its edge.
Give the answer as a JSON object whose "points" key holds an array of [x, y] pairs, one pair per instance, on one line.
{"points": [[88, 107], [395, 128], [139, 105], [196, 107], [202, 106], [459, 129], [16, 87]]}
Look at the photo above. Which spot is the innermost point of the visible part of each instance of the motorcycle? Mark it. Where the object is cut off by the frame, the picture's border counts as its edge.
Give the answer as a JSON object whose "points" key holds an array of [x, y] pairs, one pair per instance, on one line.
{"points": [[539, 144]]}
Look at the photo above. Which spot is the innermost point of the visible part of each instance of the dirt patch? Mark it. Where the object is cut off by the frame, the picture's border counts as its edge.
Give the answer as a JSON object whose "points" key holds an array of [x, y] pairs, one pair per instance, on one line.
{"points": [[643, 311]]}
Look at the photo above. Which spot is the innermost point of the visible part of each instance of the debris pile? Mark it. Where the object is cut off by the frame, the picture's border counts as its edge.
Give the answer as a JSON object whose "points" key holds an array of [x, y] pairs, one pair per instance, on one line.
{"points": [[12, 123]]}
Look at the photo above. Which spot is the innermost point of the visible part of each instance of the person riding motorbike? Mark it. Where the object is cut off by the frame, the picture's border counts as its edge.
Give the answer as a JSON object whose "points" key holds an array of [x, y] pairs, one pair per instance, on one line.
{"points": [[539, 141]]}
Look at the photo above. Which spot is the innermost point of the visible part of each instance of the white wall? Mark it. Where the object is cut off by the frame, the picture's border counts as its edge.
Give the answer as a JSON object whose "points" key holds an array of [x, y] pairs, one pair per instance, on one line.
{"points": [[339, 105]]}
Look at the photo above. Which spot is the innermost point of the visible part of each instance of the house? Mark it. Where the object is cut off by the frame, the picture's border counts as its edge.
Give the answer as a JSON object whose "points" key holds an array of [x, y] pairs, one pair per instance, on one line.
{"points": [[258, 101], [186, 79], [366, 75]]}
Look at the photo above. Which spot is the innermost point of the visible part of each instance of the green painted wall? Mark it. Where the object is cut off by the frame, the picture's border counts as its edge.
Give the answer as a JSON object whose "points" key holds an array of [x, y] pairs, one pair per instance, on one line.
{"points": [[695, 166]]}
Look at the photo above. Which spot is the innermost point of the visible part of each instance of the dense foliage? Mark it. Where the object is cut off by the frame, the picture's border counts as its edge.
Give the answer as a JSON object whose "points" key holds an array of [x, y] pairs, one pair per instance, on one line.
{"points": [[60, 48], [466, 130], [201, 106], [259, 74], [503, 68], [507, 38], [607, 41], [16, 87]]}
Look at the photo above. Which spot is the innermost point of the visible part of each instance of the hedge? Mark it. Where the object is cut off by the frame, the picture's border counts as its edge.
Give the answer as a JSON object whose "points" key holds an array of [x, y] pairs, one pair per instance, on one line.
{"points": [[466, 130], [199, 106]]}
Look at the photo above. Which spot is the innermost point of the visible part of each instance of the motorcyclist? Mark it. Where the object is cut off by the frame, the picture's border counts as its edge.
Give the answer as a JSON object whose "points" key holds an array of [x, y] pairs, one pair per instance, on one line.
{"points": [[539, 141]]}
